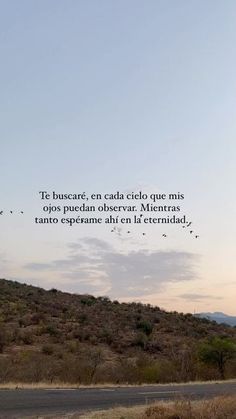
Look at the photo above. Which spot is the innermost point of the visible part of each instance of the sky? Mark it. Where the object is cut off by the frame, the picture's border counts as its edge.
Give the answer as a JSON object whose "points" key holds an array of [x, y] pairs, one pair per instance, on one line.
{"points": [[114, 96]]}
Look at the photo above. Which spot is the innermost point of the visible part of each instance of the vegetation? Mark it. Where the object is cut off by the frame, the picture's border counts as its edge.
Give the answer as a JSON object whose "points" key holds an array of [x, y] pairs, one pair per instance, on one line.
{"points": [[217, 408], [55, 337], [218, 351]]}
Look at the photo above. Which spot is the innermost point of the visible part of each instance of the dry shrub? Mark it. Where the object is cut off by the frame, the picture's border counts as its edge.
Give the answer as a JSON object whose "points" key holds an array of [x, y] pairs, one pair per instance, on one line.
{"points": [[162, 412], [217, 408]]}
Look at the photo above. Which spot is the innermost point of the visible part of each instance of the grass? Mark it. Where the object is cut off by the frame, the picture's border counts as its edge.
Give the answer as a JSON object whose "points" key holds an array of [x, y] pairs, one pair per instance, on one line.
{"points": [[223, 407], [59, 385]]}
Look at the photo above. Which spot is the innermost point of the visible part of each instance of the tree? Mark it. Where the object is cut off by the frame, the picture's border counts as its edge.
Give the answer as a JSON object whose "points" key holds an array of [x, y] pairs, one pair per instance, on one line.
{"points": [[94, 359], [217, 351], [2, 337]]}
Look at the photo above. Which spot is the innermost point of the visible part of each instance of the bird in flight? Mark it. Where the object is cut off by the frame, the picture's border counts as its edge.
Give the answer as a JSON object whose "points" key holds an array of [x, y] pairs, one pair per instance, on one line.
{"points": [[196, 237], [191, 232], [22, 212], [144, 234], [164, 235], [11, 212], [116, 230], [1, 212]]}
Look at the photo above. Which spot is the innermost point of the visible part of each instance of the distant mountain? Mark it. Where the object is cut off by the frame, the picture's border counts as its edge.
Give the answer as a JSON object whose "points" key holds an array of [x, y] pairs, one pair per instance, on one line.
{"points": [[218, 317]]}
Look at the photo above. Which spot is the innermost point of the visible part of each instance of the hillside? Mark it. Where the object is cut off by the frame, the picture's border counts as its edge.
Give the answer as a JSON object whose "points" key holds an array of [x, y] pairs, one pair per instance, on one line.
{"points": [[57, 336]]}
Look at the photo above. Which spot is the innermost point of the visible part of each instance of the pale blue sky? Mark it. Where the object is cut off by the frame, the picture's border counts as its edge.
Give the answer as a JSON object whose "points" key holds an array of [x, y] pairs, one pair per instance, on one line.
{"points": [[109, 95]]}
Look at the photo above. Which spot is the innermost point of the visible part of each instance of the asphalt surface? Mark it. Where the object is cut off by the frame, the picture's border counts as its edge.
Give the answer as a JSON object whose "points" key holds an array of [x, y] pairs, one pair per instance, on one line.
{"points": [[32, 403]]}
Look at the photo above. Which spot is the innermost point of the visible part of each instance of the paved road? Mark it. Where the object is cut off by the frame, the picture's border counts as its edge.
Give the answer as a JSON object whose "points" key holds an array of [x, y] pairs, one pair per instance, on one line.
{"points": [[29, 403]]}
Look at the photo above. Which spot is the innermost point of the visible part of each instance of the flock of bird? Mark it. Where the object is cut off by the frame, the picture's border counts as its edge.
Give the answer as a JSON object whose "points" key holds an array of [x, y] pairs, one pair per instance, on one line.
{"points": [[118, 231], [191, 231], [11, 212]]}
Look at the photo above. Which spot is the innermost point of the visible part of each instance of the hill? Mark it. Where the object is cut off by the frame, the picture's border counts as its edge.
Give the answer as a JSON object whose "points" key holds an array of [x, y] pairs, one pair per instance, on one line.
{"points": [[57, 336], [219, 317]]}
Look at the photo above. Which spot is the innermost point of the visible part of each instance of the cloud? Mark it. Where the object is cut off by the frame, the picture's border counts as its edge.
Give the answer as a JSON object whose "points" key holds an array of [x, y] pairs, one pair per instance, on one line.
{"points": [[144, 272], [198, 297], [38, 266], [97, 244], [94, 266]]}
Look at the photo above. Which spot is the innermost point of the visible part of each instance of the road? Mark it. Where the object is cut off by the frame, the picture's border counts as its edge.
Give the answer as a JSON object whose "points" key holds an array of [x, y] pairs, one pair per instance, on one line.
{"points": [[30, 403]]}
